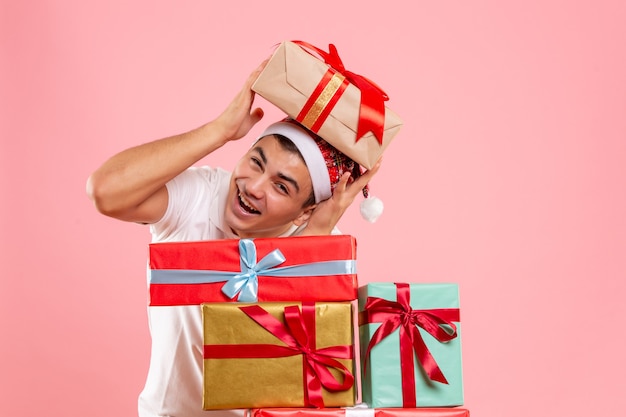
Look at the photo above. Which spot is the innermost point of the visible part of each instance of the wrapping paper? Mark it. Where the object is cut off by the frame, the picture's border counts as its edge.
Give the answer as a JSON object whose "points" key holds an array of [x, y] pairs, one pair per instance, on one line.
{"points": [[253, 355], [359, 412], [435, 368], [323, 97], [315, 268]]}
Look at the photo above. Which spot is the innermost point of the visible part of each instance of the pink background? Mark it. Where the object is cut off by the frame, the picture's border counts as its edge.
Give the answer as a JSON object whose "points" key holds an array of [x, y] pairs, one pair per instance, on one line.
{"points": [[507, 178]]}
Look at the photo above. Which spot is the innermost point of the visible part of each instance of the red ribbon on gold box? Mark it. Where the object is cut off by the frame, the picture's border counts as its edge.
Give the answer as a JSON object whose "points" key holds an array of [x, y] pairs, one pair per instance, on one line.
{"points": [[278, 355]]}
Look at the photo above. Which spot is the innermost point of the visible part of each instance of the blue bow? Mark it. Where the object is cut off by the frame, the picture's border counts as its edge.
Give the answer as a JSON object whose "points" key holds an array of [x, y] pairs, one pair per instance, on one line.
{"points": [[244, 285]]}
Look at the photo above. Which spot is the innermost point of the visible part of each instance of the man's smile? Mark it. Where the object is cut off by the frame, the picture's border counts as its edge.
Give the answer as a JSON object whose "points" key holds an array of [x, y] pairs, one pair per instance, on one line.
{"points": [[247, 205]]}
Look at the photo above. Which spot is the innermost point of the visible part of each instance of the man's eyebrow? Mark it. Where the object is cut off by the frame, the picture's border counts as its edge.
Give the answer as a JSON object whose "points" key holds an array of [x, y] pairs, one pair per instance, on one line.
{"points": [[281, 175], [261, 153], [290, 180]]}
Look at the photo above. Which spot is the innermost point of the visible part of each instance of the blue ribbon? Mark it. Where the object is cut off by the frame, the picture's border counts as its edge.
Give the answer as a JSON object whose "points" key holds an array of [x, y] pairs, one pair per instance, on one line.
{"points": [[245, 284]]}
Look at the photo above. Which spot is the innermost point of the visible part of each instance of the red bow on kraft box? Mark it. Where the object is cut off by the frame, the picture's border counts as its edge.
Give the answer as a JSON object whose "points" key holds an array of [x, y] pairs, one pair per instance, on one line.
{"points": [[241, 370], [346, 109], [400, 315], [372, 106]]}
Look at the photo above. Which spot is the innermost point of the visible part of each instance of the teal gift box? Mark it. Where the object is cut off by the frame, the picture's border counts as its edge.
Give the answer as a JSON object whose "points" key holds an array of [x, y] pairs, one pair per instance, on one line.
{"points": [[410, 338]]}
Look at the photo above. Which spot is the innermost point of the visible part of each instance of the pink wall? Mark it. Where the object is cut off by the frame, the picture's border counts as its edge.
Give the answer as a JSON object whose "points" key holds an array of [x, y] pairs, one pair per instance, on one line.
{"points": [[508, 178]]}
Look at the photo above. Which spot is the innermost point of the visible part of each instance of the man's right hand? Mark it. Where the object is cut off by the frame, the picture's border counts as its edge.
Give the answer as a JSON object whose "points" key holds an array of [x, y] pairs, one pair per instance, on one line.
{"points": [[239, 117]]}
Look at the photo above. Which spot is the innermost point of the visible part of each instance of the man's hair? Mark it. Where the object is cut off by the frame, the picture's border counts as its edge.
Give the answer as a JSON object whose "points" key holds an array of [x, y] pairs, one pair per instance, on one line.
{"points": [[289, 146]]}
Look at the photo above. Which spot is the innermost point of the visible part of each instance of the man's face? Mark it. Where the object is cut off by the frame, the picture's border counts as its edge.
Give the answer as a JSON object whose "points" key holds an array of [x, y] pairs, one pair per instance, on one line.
{"points": [[268, 189]]}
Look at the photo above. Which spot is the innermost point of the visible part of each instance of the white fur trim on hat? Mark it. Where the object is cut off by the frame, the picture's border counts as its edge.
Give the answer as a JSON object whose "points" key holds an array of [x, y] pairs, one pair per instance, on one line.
{"points": [[311, 154]]}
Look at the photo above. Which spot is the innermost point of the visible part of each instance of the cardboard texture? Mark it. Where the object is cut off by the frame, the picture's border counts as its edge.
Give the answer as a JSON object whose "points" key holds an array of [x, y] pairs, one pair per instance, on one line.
{"points": [[293, 75]]}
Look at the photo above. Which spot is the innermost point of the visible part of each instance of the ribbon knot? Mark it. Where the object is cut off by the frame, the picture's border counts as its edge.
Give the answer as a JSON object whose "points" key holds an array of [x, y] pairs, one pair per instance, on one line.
{"points": [[409, 318], [243, 283], [246, 283], [372, 107], [298, 336], [302, 327]]}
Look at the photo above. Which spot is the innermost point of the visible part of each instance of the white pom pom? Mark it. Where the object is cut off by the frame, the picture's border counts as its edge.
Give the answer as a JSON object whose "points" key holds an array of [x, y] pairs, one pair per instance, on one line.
{"points": [[371, 208]]}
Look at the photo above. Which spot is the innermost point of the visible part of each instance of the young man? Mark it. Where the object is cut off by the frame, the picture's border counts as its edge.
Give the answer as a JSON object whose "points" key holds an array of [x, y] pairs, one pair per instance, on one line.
{"points": [[290, 182]]}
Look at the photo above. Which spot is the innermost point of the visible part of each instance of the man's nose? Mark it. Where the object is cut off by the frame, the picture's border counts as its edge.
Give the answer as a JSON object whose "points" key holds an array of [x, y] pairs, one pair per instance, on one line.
{"points": [[256, 186]]}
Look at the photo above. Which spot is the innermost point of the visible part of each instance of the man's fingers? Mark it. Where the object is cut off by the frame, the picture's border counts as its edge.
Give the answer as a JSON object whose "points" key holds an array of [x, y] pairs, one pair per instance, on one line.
{"points": [[343, 182], [373, 170], [255, 74], [367, 176]]}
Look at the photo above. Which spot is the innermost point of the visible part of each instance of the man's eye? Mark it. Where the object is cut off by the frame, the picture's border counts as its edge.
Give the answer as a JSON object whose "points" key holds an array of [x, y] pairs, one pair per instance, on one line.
{"points": [[256, 162], [282, 187]]}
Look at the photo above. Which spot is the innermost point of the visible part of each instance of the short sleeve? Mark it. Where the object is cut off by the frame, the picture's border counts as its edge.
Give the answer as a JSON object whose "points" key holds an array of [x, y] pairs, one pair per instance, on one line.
{"points": [[190, 195]]}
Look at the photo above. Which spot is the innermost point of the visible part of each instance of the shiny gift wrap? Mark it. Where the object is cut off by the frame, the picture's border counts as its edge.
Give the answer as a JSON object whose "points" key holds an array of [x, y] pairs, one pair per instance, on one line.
{"points": [[302, 268], [359, 412], [278, 354], [346, 109], [410, 345]]}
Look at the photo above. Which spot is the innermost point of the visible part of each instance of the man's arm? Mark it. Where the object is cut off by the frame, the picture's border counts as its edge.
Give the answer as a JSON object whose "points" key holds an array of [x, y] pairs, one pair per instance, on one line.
{"points": [[130, 185]]}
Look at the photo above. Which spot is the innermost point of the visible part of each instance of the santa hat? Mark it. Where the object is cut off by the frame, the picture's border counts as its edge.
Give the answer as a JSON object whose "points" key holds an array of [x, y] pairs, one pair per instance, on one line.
{"points": [[326, 164]]}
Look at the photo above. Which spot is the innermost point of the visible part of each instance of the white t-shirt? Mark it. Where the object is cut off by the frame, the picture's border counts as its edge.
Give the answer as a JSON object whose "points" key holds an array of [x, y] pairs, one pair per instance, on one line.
{"points": [[174, 382]]}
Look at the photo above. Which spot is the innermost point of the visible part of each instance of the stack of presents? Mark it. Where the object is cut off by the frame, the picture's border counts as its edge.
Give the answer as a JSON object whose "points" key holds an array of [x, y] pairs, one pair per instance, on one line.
{"points": [[288, 329]]}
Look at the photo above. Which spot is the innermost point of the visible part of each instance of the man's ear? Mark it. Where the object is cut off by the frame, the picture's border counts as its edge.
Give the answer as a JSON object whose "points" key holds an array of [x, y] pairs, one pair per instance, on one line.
{"points": [[304, 216]]}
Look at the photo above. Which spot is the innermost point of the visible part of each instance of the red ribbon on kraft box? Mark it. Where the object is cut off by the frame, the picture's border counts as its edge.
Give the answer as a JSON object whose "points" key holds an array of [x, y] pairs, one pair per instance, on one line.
{"points": [[330, 89]]}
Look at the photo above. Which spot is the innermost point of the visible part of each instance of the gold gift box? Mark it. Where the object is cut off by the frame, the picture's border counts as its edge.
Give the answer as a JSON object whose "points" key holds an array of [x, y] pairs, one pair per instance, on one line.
{"points": [[269, 382], [290, 78]]}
